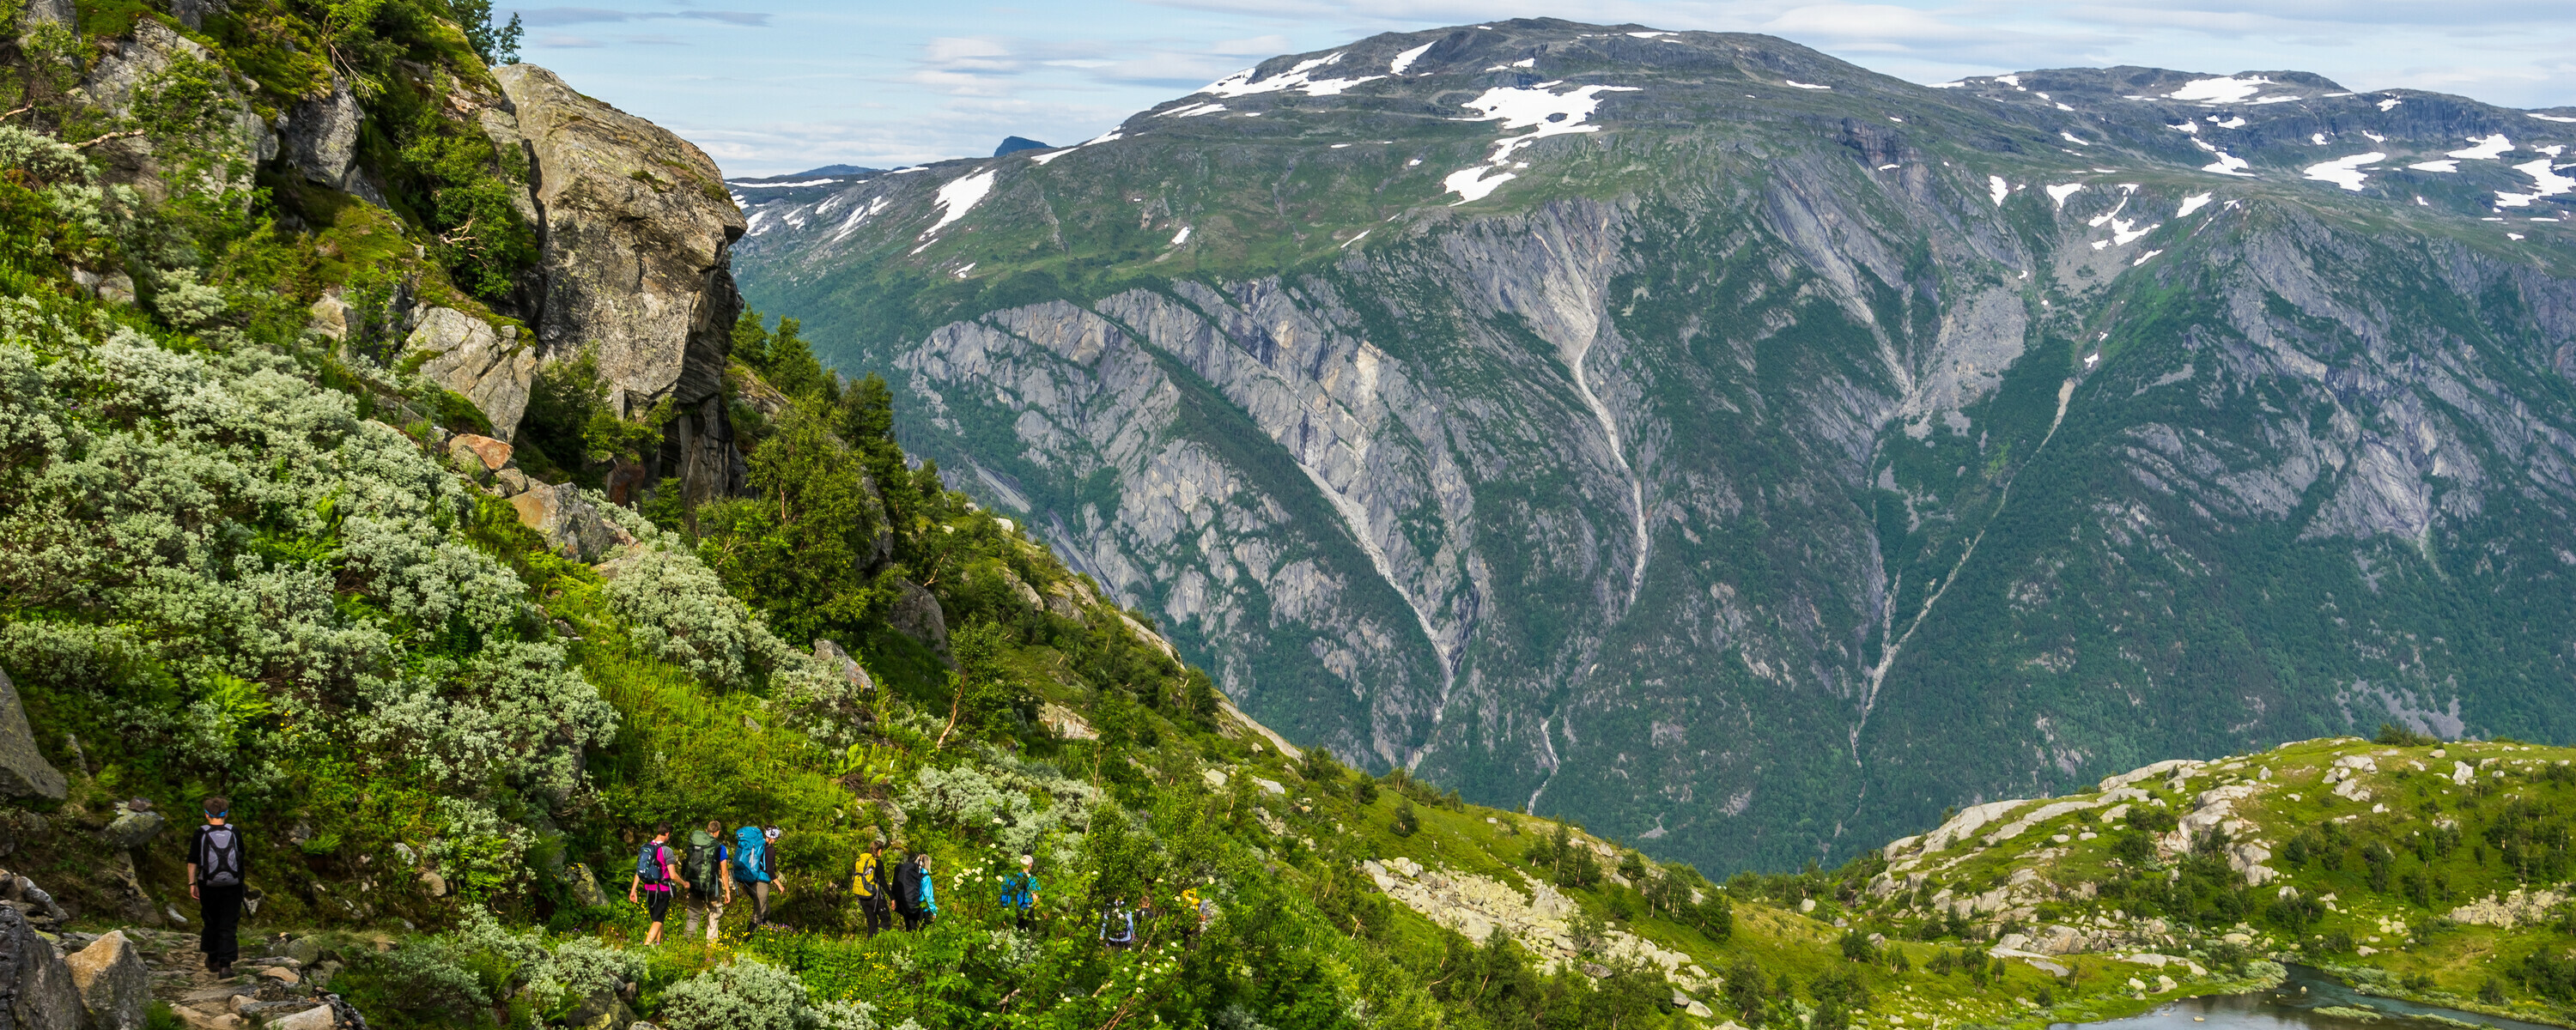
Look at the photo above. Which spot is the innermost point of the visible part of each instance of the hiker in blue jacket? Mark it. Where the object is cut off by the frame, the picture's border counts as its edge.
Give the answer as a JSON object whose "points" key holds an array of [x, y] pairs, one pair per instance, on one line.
{"points": [[1020, 892], [755, 868]]}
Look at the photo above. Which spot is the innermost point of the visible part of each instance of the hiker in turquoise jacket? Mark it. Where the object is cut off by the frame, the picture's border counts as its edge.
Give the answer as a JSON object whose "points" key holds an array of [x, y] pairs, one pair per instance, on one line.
{"points": [[1020, 892]]}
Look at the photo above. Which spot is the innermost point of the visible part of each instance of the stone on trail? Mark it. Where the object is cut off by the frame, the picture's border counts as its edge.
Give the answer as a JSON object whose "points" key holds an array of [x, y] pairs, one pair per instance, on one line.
{"points": [[315, 1018], [115, 985]]}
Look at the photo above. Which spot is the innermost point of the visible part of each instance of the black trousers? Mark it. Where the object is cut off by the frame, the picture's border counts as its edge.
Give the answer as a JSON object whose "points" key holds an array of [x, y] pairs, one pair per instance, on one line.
{"points": [[880, 915], [914, 919], [219, 912]]}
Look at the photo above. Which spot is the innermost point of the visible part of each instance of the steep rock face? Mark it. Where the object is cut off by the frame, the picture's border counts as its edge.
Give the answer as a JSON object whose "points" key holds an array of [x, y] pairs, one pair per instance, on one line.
{"points": [[638, 240], [638, 264], [23, 769], [1756, 467], [220, 158]]}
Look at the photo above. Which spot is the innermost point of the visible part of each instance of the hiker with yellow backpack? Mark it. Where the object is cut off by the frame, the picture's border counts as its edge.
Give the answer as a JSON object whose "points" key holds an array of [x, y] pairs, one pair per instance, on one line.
{"points": [[874, 885]]}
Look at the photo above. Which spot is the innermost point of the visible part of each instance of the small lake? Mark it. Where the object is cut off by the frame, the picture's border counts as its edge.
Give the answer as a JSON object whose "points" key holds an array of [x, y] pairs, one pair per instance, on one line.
{"points": [[2289, 1007]]}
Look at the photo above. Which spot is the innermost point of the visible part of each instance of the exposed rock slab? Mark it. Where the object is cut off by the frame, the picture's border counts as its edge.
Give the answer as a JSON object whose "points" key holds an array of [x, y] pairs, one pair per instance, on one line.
{"points": [[485, 366], [571, 525], [321, 136]]}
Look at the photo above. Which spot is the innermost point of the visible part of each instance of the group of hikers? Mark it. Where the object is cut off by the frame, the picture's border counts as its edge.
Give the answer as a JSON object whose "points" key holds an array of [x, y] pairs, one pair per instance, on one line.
{"points": [[711, 871], [714, 869]]}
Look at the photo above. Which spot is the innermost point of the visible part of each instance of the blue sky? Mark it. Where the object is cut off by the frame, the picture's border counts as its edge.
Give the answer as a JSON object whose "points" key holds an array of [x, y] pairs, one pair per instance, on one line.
{"points": [[772, 86]]}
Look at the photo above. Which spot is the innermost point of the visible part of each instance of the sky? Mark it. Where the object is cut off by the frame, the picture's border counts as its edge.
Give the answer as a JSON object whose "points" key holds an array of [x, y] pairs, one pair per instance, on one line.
{"points": [[776, 86]]}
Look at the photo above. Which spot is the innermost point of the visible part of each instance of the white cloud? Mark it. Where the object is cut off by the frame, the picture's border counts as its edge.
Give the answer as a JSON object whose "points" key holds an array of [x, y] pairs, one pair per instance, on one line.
{"points": [[1257, 46], [835, 81]]}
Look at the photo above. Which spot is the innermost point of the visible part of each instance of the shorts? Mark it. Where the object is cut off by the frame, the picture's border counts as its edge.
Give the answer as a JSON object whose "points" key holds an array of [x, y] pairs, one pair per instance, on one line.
{"points": [[658, 903]]}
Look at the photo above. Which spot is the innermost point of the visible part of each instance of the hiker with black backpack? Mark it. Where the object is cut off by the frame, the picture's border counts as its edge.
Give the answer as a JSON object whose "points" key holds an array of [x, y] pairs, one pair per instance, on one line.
{"points": [[912, 895], [656, 870], [709, 890], [216, 860], [873, 882]]}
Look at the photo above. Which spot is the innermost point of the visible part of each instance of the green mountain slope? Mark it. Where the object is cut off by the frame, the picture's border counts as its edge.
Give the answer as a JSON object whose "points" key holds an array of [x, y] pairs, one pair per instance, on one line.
{"points": [[1749, 452], [257, 536]]}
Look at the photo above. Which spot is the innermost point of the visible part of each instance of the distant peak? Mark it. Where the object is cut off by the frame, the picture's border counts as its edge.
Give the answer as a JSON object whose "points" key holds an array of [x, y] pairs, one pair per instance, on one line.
{"points": [[1015, 144]]}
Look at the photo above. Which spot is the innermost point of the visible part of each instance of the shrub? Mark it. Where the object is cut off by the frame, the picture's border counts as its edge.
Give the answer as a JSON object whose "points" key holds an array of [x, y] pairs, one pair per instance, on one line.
{"points": [[749, 994]]}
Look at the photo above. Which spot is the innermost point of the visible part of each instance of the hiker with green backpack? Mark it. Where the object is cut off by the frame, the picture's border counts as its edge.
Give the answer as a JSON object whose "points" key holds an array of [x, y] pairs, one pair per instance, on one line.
{"points": [[656, 870], [709, 889]]}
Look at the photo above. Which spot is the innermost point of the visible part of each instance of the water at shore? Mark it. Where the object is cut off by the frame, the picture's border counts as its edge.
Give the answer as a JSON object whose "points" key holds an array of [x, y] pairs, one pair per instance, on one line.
{"points": [[2307, 1000]]}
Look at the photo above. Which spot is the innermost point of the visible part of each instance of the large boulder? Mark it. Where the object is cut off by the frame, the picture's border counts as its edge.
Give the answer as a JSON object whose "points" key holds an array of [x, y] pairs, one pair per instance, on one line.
{"points": [[639, 232], [115, 985], [916, 614], [23, 769], [135, 829], [571, 525], [36, 988], [492, 368], [840, 662], [321, 135]]}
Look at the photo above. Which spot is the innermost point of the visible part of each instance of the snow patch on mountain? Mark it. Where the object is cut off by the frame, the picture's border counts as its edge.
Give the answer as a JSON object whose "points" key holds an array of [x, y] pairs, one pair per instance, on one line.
{"points": [[2546, 181], [2487, 149], [1405, 60], [955, 198], [1301, 77], [2345, 171], [1548, 113], [2225, 90]]}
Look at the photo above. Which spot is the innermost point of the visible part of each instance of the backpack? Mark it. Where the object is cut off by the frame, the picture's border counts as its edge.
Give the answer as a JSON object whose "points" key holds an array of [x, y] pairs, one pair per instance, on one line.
{"points": [[223, 854], [866, 875], [750, 855], [907, 886], [650, 862], [700, 866]]}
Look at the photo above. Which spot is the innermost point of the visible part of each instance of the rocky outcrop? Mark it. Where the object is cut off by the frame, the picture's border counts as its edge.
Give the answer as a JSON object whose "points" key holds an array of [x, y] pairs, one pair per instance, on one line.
{"points": [[135, 829], [638, 264], [1534, 914], [23, 769], [2514, 909], [115, 984], [492, 368], [472, 453], [638, 242], [570, 524], [319, 136], [139, 68], [36, 987]]}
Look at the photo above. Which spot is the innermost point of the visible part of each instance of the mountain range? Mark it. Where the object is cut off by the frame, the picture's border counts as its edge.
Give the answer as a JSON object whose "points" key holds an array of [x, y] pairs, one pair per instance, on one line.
{"points": [[1745, 453]]}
